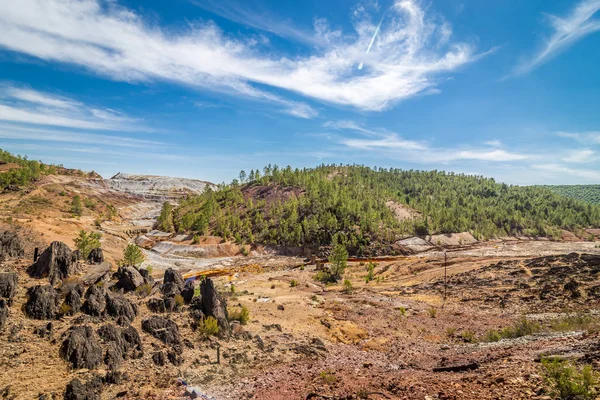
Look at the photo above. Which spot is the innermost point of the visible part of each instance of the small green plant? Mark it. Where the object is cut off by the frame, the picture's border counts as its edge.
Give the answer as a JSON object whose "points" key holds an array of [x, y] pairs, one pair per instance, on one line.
{"points": [[209, 326], [432, 312], [143, 290], [196, 239], [232, 289], [245, 251], [293, 283], [89, 203], [150, 269], [575, 322], [347, 286], [468, 336], [62, 193], [302, 268], [567, 382], [86, 242], [521, 327], [179, 300], [324, 277], [370, 272], [242, 315], [65, 309], [328, 377], [451, 332], [402, 312], [132, 255], [76, 206]]}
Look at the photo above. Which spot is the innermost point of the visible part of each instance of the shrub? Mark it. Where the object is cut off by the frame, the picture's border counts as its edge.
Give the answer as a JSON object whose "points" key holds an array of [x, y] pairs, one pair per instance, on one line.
{"points": [[89, 203], [65, 309], [370, 272], [196, 239], [324, 277], [450, 332], [293, 283], [179, 300], [143, 290], [338, 260], [242, 315], [328, 377], [150, 269], [245, 251], [347, 286], [402, 311], [577, 322], [132, 255], [86, 242], [522, 327], [566, 382], [62, 193], [209, 326], [432, 312], [468, 336], [76, 206]]}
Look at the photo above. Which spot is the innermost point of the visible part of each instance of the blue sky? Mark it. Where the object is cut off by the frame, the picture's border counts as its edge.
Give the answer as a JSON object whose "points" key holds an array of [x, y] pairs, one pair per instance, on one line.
{"points": [[205, 88]]}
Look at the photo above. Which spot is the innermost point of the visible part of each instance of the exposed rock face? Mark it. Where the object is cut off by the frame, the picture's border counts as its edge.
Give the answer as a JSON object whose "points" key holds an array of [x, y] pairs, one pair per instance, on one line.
{"points": [[134, 342], [173, 283], [42, 302], [213, 305], [95, 303], [188, 292], [129, 278], [159, 358], [3, 312], [76, 256], [81, 348], [156, 187], [95, 257], [91, 390], [119, 307], [8, 285], [156, 305], [10, 246], [73, 299], [56, 263], [122, 344], [163, 329], [97, 273], [147, 278]]}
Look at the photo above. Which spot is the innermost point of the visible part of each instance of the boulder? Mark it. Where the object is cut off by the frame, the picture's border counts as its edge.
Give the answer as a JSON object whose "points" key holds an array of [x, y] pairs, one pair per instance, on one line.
{"points": [[127, 341], [82, 348], [163, 329], [42, 302], [56, 263], [45, 331], [97, 273], [213, 305], [11, 246], [91, 390], [159, 358], [147, 277], [72, 302], [3, 312], [95, 257], [95, 301], [170, 289], [76, 256], [129, 278], [156, 305], [119, 307], [175, 277], [113, 357], [175, 357], [188, 292], [8, 285], [134, 342]]}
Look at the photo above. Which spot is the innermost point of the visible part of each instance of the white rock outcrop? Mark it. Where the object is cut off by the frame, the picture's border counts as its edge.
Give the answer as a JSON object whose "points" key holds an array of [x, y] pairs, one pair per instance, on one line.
{"points": [[157, 187]]}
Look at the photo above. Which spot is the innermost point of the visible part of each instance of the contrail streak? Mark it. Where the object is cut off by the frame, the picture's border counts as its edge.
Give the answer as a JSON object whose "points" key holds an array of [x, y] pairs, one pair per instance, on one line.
{"points": [[360, 66]]}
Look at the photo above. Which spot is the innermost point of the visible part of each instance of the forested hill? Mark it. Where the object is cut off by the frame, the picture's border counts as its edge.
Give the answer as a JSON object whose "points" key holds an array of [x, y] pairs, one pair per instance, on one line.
{"points": [[587, 193], [308, 207]]}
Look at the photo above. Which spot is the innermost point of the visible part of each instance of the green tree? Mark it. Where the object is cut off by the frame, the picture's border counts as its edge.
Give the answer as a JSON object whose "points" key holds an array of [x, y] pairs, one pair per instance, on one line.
{"points": [[76, 206], [132, 255], [165, 219], [339, 260], [86, 242]]}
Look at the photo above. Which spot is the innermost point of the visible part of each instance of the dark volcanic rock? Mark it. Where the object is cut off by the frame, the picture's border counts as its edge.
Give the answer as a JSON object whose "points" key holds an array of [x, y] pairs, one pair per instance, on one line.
{"points": [[113, 357], [45, 331], [81, 348], [42, 302], [56, 263], [213, 305], [134, 342], [3, 312], [174, 276], [175, 357], [119, 307], [163, 329], [159, 358], [129, 278], [96, 256], [147, 278], [127, 341], [73, 300], [91, 390], [188, 292], [156, 305], [76, 256], [8, 285], [11, 246], [95, 301]]}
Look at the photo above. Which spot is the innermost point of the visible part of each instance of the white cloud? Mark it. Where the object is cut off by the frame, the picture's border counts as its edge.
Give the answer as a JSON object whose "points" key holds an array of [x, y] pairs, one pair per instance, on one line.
{"points": [[27, 106], [580, 156], [411, 51], [588, 138], [567, 30], [593, 175], [493, 143]]}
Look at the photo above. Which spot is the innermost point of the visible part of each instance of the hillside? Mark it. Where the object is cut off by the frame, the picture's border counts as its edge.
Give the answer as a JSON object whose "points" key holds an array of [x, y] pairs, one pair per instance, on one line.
{"points": [[587, 193], [309, 207], [156, 187]]}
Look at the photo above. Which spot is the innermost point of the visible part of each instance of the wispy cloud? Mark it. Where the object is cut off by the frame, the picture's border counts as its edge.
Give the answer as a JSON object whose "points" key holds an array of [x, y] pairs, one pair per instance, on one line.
{"points": [[567, 30], [410, 53], [587, 138], [27, 106], [581, 156], [593, 175]]}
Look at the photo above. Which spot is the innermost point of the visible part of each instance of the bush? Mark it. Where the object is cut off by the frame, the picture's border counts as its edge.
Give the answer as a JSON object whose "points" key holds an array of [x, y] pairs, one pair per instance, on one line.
{"points": [[196, 239], [432, 312], [522, 327], [143, 290], [242, 315], [89, 203], [577, 322], [132, 255], [566, 382], [338, 260], [179, 300], [347, 286], [468, 336], [76, 206], [402, 311], [328, 377], [209, 326], [370, 272], [86, 242], [293, 283], [324, 277]]}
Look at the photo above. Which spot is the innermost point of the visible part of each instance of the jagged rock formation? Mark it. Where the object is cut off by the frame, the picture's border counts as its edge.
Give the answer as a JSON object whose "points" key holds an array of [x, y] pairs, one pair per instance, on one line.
{"points": [[3, 312], [173, 283], [82, 348], [96, 256], [95, 303], [8, 285], [213, 305], [163, 329], [10, 246], [156, 187], [119, 307], [42, 302], [91, 390], [56, 263], [129, 278], [73, 299]]}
